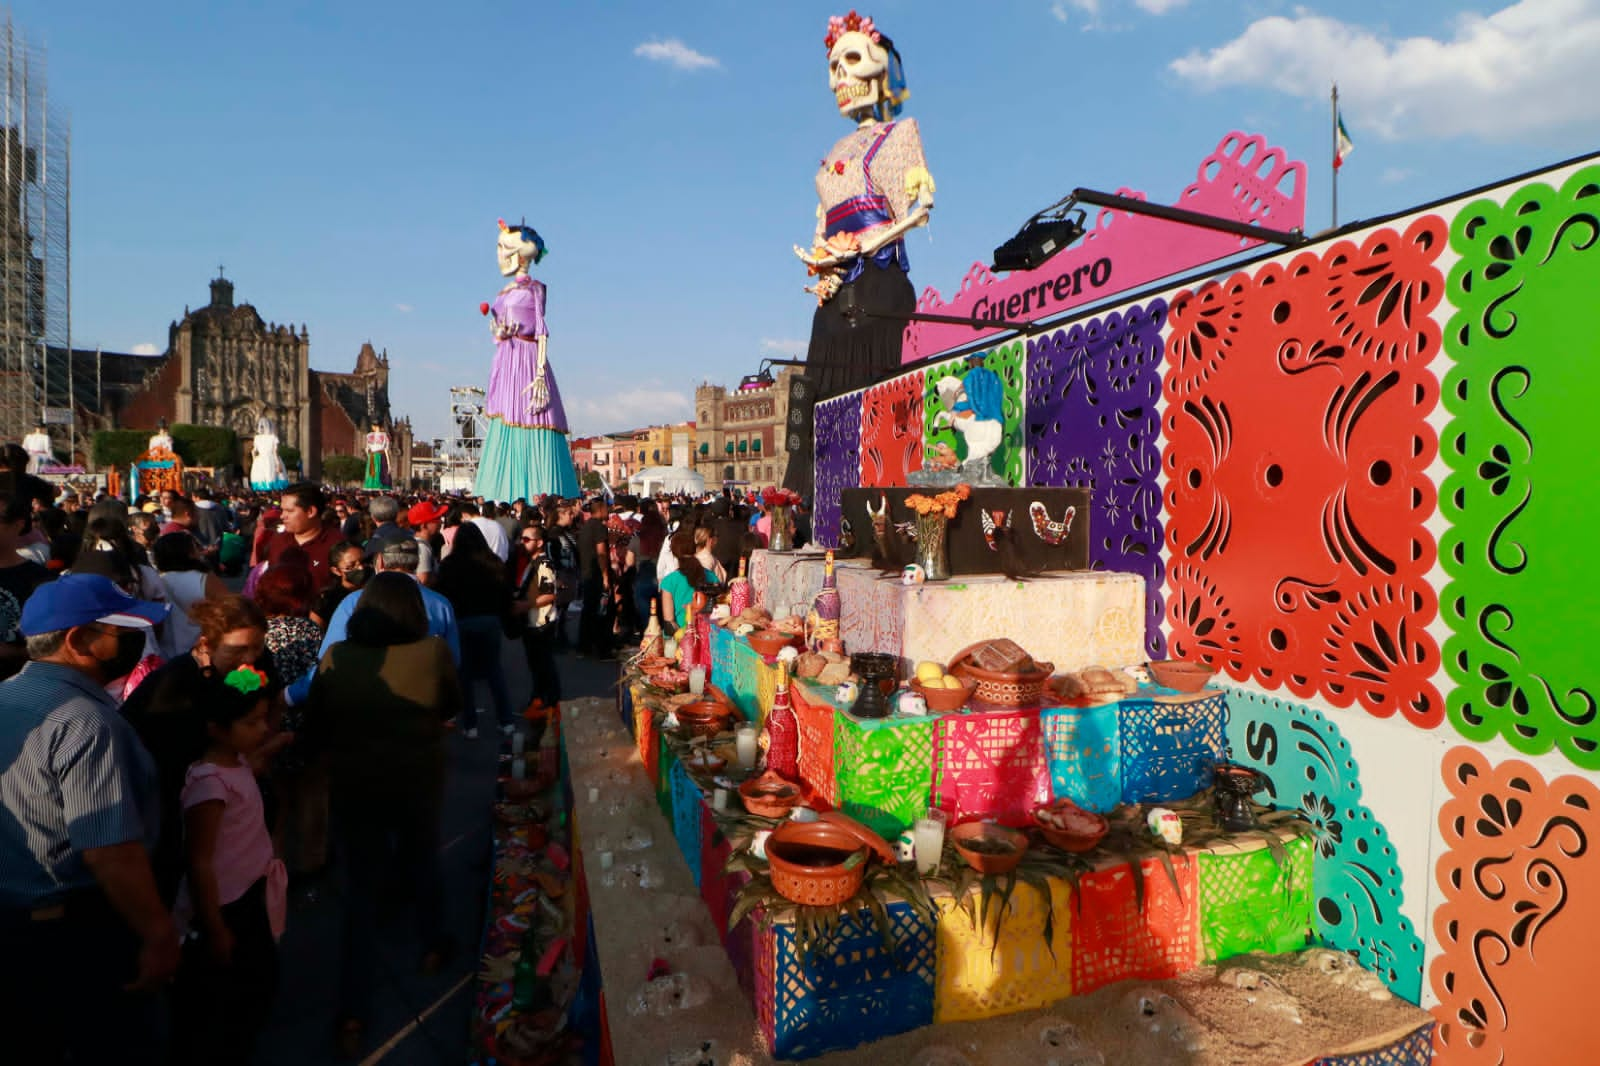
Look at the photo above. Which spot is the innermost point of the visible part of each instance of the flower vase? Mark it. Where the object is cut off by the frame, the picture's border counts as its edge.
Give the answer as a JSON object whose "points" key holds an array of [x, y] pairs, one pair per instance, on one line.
{"points": [[933, 548], [781, 538]]}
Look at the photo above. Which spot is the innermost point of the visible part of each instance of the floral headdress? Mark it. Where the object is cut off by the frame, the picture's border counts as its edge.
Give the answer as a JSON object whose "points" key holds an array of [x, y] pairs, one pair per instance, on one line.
{"points": [[245, 680], [839, 25]]}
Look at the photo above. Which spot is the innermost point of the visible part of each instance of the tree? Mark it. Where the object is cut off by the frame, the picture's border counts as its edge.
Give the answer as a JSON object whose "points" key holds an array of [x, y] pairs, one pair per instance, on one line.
{"points": [[290, 456], [205, 445], [591, 481], [118, 448], [343, 469]]}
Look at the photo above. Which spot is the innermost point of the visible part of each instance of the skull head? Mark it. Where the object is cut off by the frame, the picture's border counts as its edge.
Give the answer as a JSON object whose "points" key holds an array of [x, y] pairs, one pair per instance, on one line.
{"points": [[516, 248], [1164, 1017], [1345, 972], [1261, 991], [704, 1055], [858, 69]]}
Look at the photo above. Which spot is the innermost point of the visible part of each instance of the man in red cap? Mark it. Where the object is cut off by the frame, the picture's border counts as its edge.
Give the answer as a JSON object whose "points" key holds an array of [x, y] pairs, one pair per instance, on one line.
{"points": [[425, 518], [304, 527]]}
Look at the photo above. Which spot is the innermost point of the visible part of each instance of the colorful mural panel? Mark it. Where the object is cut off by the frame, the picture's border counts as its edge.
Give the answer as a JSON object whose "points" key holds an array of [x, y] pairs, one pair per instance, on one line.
{"points": [[1519, 445], [1357, 884], [838, 428], [891, 431], [1519, 927], [1296, 454], [1093, 421], [973, 408]]}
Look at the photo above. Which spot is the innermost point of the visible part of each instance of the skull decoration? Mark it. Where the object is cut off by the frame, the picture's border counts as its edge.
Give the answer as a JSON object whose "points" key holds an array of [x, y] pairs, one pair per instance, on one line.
{"points": [[1065, 1046], [517, 247], [1346, 972], [1164, 1017], [858, 68], [704, 1055], [673, 992], [1261, 991], [913, 575], [905, 848]]}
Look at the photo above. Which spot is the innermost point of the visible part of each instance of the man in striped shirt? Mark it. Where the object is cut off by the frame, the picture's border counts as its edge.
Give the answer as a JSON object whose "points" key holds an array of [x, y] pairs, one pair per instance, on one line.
{"points": [[88, 943]]}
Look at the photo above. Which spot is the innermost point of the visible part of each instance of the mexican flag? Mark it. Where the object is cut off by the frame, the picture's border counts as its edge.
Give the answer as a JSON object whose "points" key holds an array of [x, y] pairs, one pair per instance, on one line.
{"points": [[1344, 144]]}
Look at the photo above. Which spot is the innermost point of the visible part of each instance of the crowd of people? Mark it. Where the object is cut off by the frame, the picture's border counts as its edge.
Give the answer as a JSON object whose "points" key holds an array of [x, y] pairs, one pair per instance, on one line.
{"points": [[178, 759]]}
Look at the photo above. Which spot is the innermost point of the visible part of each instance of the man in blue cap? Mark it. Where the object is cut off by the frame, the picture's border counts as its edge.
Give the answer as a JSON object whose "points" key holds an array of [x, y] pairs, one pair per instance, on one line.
{"points": [[89, 943]]}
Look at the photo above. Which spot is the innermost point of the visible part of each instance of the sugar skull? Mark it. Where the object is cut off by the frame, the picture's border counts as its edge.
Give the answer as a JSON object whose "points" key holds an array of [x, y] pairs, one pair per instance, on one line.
{"points": [[912, 575], [905, 848]]}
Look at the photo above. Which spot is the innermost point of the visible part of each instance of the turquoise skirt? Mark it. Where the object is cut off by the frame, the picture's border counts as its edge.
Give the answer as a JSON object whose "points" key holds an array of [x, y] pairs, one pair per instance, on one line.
{"points": [[520, 464]]}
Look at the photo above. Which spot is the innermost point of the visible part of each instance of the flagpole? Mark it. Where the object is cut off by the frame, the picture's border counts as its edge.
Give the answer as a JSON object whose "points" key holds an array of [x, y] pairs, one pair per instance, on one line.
{"points": [[1333, 160]]}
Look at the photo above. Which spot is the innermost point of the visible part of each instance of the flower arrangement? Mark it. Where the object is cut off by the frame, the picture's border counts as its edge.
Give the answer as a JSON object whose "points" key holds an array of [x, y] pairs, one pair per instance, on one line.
{"points": [[245, 680], [944, 503], [774, 497]]}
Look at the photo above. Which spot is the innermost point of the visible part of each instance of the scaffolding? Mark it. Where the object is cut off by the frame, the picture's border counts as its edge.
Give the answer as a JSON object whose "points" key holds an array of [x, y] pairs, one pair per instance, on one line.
{"points": [[458, 454], [37, 371]]}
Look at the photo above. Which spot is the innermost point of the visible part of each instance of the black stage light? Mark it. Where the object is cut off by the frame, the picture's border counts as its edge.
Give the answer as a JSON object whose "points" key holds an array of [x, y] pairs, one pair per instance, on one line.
{"points": [[1042, 236]]}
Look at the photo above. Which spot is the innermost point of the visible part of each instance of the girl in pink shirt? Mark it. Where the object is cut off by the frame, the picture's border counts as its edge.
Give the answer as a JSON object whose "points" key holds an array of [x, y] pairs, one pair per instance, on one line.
{"points": [[235, 886]]}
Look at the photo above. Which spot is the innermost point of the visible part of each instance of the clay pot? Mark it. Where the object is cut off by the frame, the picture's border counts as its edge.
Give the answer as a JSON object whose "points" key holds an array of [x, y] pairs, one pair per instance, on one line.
{"points": [[769, 796], [1181, 676], [1081, 830], [704, 718], [987, 862], [769, 642], [946, 700], [807, 859]]}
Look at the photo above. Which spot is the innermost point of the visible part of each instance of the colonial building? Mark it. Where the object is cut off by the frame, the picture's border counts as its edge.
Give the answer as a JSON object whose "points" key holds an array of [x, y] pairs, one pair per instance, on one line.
{"points": [[226, 366], [740, 432]]}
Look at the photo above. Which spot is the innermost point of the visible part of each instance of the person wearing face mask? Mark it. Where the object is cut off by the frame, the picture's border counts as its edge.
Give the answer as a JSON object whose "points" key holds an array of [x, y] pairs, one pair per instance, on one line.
{"points": [[349, 563], [79, 900], [164, 710]]}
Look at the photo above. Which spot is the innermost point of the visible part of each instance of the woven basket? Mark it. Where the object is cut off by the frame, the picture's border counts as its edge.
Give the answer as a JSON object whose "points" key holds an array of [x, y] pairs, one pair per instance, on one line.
{"points": [[814, 885], [1014, 689]]}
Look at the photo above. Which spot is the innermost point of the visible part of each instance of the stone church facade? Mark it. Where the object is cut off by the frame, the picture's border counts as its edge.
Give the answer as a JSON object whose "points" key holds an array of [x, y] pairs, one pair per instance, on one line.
{"points": [[226, 366]]}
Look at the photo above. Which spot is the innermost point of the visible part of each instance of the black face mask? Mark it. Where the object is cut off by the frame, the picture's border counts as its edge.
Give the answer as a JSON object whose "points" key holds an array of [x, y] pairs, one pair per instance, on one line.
{"points": [[357, 575], [130, 649]]}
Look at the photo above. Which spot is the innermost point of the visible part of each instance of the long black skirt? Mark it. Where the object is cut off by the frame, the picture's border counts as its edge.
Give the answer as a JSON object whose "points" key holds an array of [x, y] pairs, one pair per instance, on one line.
{"points": [[848, 352]]}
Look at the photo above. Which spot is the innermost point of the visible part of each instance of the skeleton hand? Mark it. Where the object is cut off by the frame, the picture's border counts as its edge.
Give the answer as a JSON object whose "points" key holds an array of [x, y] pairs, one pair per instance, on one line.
{"points": [[826, 288], [538, 392], [817, 264]]}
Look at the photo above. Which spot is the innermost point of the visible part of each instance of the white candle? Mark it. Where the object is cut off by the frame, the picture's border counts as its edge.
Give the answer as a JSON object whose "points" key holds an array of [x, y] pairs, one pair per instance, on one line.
{"points": [[927, 840], [517, 741], [719, 799], [519, 769], [697, 681], [745, 739], [594, 794], [605, 860]]}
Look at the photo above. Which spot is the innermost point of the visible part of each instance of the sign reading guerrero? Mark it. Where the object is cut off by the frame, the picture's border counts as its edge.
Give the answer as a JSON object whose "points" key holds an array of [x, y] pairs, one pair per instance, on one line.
{"points": [[1243, 179]]}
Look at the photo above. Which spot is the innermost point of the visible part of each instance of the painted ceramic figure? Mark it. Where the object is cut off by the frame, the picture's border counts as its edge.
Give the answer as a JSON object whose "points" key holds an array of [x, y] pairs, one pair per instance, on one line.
{"points": [[525, 452], [872, 187], [266, 465], [37, 445], [377, 459]]}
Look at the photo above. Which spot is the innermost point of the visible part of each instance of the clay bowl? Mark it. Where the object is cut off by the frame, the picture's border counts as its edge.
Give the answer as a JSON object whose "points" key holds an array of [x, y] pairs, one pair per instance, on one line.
{"points": [[1078, 830], [807, 862], [769, 796], [945, 700], [769, 642], [1181, 676], [989, 848], [704, 718], [704, 762]]}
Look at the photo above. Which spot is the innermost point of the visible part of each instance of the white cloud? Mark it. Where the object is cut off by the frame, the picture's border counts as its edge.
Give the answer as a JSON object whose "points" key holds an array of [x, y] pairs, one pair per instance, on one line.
{"points": [[1395, 175], [649, 404], [1062, 10], [675, 53], [404, 309], [146, 349], [784, 346], [1517, 70], [1159, 7]]}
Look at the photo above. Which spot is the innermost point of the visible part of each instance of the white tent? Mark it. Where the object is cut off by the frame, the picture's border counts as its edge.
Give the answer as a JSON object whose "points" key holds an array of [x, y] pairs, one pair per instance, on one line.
{"points": [[654, 479]]}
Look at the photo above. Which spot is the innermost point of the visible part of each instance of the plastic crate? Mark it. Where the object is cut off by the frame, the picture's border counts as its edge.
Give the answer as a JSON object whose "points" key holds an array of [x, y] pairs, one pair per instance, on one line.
{"points": [[850, 990], [1248, 902], [625, 703], [687, 804], [1115, 937], [722, 666], [883, 769], [742, 679], [1414, 1049], [1002, 965], [814, 712], [990, 765], [1170, 747], [766, 689], [1084, 748], [714, 882]]}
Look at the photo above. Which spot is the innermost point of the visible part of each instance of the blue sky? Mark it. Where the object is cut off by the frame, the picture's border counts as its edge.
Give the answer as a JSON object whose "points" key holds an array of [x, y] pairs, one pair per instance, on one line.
{"points": [[347, 161]]}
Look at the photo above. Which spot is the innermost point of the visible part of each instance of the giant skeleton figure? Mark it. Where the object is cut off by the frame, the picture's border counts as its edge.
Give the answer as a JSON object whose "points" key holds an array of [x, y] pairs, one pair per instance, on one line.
{"points": [[872, 187]]}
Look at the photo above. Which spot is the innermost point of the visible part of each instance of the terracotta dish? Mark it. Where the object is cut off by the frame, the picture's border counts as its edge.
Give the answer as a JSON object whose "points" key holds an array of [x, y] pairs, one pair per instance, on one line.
{"points": [[769, 796], [1181, 676], [769, 642], [704, 762], [808, 862], [705, 718], [989, 848], [1023, 688], [946, 700], [1069, 827]]}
